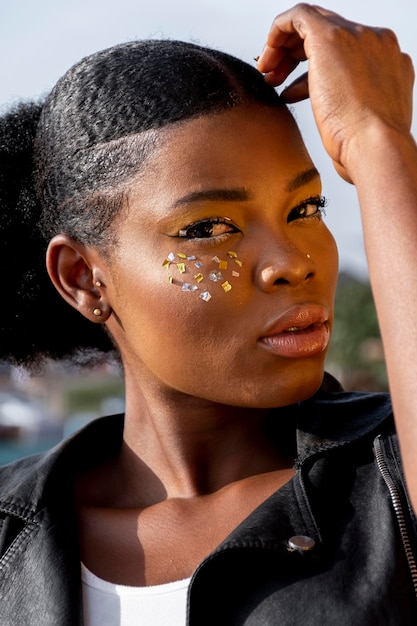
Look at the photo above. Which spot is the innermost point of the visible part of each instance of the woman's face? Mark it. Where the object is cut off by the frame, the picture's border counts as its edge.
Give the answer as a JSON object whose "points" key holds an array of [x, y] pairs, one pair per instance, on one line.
{"points": [[223, 282]]}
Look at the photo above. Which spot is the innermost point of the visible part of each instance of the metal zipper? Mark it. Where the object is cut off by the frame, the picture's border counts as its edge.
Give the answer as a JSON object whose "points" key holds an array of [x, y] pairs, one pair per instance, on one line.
{"points": [[398, 509]]}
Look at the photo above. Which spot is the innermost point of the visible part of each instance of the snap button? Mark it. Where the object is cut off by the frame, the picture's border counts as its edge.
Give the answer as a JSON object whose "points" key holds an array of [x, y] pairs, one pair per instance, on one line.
{"points": [[301, 543]]}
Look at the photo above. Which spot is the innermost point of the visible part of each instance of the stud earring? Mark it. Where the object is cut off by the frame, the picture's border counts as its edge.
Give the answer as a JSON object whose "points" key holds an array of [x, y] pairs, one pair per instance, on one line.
{"points": [[98, 312], [308, 255], [98, 283]]}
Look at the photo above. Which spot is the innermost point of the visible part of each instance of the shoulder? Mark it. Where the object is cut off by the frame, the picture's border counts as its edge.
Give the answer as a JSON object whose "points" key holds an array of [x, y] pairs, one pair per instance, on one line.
{"points": [[28, 484]]}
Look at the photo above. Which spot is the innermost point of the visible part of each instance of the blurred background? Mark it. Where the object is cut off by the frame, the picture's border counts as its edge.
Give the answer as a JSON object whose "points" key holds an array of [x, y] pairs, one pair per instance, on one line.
{"points": [[39, 41]]}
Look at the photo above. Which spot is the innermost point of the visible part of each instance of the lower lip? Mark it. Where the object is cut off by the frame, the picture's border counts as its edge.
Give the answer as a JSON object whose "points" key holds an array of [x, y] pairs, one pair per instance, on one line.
{"points": [[299, 344]]}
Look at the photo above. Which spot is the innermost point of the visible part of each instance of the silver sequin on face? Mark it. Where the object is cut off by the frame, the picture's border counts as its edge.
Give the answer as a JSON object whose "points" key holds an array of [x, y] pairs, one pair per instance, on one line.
{"points": [[179, 263]]}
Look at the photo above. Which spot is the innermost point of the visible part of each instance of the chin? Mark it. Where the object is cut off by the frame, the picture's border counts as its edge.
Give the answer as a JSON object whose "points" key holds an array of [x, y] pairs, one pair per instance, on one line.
{"points": [[294, 389]]}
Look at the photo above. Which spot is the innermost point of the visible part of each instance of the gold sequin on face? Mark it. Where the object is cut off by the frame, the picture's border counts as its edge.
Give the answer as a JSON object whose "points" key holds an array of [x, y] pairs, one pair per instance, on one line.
{"points": [[213, 270]]}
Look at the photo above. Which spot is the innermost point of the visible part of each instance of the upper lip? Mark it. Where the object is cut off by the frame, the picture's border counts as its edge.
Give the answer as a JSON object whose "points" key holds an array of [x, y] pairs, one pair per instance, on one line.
{"points": [[297, 317]]}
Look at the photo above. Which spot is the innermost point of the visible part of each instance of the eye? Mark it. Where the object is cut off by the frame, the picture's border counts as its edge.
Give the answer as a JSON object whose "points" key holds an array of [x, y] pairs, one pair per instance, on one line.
{"points": [[310, 208], [209, 228]]}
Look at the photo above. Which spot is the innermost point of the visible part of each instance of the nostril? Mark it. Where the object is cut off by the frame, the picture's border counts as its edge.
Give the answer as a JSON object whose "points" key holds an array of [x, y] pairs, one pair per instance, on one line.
{"points": [[281, 281]]}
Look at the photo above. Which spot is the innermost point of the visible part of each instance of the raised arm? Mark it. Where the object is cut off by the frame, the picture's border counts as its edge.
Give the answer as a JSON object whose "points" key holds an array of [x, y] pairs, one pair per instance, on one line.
{"points": [[360, 86]]}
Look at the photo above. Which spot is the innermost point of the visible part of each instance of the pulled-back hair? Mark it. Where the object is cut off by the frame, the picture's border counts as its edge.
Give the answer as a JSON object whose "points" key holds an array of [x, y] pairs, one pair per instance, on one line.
{"points": [[64, 165]]}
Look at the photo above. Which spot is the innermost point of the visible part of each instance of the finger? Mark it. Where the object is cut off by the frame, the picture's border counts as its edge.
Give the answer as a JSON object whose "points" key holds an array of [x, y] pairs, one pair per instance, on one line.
{"points": [[295, 23], [280, 73], [271, 57], [289, 30], [342, 172], [297, 91]]}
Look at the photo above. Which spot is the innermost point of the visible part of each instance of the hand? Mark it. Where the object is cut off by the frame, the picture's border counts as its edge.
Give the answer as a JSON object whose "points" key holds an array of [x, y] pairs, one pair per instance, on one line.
{"points": [[357, 76]]}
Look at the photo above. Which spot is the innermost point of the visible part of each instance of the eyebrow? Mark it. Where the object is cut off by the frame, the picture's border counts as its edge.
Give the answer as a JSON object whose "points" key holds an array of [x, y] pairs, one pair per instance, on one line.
{"points": [[240, 194], [302, 179]]}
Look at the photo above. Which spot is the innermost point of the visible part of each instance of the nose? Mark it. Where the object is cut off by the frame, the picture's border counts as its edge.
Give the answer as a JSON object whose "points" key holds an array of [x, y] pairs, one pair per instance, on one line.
{"points": [[283, 265]]}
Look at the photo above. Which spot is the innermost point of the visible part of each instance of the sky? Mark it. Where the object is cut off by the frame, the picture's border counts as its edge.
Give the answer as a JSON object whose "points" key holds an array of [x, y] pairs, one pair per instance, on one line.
{"points": [[40, 40]]}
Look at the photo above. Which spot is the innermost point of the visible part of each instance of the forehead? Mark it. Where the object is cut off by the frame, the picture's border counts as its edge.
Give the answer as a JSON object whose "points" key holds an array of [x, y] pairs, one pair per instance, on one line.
{"points": [[246, 146]]}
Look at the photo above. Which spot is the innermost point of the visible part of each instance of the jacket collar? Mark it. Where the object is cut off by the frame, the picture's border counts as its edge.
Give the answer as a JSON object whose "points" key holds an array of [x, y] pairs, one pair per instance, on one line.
{"points": [[329, 419]]}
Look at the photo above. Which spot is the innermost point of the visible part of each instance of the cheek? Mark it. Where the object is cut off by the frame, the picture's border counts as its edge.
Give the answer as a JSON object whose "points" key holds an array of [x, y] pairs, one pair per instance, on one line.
{"points": [[180, 297], [191, 317], [327, 262], [331, 260], [182, 310], [205, 277]]}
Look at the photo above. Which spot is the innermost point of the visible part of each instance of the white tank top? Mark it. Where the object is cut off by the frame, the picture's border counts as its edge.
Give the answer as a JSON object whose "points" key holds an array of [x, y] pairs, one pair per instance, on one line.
{"points": [[107, 604]]}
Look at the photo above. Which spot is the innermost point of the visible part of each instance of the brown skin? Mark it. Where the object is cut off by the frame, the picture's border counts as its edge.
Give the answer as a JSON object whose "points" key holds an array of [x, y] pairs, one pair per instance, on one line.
{"points": [[363, 102], [198, 381]]}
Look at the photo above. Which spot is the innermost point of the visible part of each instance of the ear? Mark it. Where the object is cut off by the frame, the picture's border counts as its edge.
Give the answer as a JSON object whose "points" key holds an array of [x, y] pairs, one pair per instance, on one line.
{"points": [[76, 274]]}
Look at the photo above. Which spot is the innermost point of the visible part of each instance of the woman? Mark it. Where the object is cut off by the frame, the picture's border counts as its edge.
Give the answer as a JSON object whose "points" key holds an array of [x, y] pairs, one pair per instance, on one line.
{"points": [[181, 212]]}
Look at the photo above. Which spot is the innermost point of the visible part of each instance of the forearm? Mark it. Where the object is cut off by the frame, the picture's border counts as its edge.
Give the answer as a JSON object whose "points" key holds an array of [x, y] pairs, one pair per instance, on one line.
{"points": [[384, 170]]}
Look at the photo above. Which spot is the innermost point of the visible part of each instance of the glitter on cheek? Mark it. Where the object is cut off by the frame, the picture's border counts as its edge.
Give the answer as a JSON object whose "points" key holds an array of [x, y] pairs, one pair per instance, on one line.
{"points": [[188, 287], [205, 295], [216, 275]]}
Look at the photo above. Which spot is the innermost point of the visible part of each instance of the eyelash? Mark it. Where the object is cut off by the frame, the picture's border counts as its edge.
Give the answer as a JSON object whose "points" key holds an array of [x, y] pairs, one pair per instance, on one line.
{"points": [[205, 227], [319, 202], [208, 224]]}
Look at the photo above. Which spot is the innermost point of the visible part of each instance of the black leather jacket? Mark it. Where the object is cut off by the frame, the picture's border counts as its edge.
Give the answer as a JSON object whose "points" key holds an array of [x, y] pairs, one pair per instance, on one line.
{"points": [[335, 545]]}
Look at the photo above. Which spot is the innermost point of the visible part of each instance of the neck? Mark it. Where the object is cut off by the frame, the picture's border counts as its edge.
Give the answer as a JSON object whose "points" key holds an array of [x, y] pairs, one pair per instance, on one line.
{"points": [[185, 447]]}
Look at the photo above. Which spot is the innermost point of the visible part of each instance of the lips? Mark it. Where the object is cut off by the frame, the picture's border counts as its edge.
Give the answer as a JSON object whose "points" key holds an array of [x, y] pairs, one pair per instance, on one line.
{"points": [[301, 332]]}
